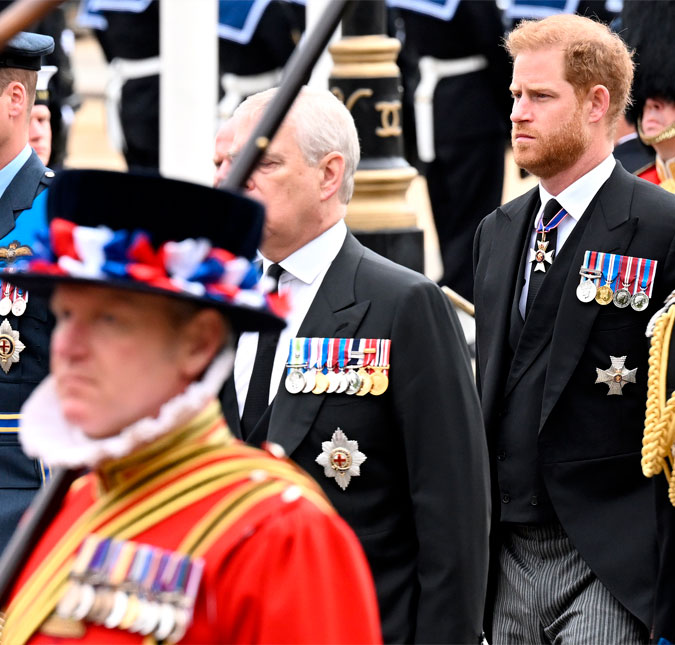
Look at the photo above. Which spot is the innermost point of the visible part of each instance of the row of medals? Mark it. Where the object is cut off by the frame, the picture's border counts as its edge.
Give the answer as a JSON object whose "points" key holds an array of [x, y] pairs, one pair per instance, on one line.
{"points": [[350, 380], [13, 305], [126, 606], [587, 291]]}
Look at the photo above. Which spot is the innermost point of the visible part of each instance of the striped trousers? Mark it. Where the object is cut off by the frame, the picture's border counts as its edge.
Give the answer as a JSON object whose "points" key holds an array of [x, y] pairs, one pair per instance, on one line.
{"points": [[546, 593]]}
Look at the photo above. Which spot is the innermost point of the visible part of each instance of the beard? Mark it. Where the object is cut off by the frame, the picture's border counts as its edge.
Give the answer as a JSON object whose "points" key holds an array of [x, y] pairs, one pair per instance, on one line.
{"points": [[552, 152]]}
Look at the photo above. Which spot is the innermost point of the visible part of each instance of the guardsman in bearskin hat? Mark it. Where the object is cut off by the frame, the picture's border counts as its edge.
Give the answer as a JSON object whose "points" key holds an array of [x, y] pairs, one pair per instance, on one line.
{"points": [[178, 532], [648, 28]]}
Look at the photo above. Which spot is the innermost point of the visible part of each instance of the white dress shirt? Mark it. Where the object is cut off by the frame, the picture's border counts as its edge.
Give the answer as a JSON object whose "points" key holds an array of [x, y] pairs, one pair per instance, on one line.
{"points": [[304, 272], [575, 199]]}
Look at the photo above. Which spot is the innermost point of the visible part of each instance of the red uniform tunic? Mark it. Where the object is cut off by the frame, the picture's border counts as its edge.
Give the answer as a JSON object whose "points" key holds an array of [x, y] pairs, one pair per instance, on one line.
{"points": [[280, 565], [650, 174]]}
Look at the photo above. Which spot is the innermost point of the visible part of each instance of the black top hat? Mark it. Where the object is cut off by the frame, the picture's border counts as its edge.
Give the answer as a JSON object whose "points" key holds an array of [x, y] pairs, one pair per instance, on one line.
{"points": [[155, 235], [25, 50]]}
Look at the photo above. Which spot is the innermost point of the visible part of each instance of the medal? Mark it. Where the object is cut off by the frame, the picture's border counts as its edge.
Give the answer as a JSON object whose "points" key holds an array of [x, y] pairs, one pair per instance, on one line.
{"points": [[120, 602], [149, 610], [10, 346], [310, 380], [343, 359], [322, 383], [605, 294], [645, 282], [333, 357], [131, 613], [73, 595], [380, 382], [87, 598], [539, 254], [353, 381], [640, 301], [180, 626], [103, 604], [192, 589], [341, 459], [379, 378], [138, 623], [616, 375], [6, 302], [134, 605], [166, 622], [622, 296], [151, 618], [369, 352], [312, 353], [587, 288], [167, 587], [366, 383], [92, 572], [20, 302], [295, 379], [333, 382], [343, 383]]}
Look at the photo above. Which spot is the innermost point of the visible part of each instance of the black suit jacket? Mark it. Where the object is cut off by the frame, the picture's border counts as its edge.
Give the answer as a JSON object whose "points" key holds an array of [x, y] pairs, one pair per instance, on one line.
{"points": [[21, 477], [589, 443], [420, 505], [634, 155]]}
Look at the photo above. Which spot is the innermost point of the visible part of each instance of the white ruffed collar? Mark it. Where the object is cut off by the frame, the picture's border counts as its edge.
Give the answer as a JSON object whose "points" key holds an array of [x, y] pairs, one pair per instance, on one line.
{"points": [[45, 434]]}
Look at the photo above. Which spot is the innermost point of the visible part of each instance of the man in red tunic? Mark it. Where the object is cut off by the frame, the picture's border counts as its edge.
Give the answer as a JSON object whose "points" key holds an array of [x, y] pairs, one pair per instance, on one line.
{"points": [[179, 532], [648, 29]]}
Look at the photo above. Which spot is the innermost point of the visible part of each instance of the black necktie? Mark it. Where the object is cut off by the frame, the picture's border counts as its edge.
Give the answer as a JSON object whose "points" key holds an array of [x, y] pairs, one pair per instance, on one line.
{"points": [[537, 276], [259, 386]]}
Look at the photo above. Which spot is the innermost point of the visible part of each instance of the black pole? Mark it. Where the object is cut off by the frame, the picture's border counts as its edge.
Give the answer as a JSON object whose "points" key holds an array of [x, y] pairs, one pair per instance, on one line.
{"points": [[40, 513], [297, 70]]}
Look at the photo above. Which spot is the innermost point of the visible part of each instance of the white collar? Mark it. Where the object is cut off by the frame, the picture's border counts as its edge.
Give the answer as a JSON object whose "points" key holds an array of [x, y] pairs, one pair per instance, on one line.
{"points": [[10, 171], [311, 260], [576, 198], [625, 138], [46, 435]]}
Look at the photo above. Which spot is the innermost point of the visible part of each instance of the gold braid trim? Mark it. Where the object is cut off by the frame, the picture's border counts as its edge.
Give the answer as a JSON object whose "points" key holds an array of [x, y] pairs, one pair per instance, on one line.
{"points": [[668, 184], [667, 133], [659, 432]]}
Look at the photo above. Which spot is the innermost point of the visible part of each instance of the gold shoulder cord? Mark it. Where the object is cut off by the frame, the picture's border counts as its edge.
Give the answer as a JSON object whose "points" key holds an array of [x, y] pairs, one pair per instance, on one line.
{"points": [[657, 442]]}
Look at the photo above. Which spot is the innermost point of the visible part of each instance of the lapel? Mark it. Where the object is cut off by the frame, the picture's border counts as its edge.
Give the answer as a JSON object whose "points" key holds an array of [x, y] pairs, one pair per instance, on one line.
{"points": [[500, 285], [610, 228], [20, 193], [334, 313]]}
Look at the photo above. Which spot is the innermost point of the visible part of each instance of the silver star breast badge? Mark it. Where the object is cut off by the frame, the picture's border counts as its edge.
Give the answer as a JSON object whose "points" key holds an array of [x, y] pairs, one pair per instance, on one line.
{"points": [[540, 256], [341, 458], [616, 376], [10, 346]]}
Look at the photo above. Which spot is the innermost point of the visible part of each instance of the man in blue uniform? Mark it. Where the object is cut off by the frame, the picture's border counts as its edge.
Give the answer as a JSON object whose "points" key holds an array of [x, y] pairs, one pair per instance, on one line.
{"points": [[24, 325]]}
